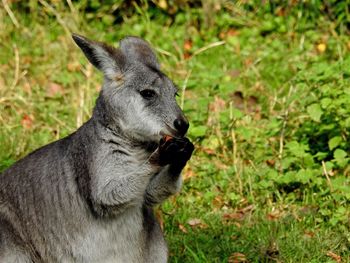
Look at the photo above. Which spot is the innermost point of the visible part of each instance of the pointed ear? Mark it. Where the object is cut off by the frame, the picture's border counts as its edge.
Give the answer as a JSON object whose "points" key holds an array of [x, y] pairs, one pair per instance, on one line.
{"points": [[137, 49], [106, 58]]}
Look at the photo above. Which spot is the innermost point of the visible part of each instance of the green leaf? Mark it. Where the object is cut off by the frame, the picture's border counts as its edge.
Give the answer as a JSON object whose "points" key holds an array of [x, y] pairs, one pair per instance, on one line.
{"points": [[212, 142], [288, 161], [340, 157], [272, 175], [339, 154], [108, 19], [233, 41], [347, 123], [296, 148], [308, 160], [315, 112], [245, 132], [234, 197], [334, 142], [289, 177], [237, 114], [329, 165], [198, 131], [321, 155], [325, 102], [304, 176]]}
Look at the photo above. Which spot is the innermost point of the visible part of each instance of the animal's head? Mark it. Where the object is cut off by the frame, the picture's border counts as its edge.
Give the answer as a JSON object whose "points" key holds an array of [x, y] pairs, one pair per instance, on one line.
{"points": [[138, 97]]}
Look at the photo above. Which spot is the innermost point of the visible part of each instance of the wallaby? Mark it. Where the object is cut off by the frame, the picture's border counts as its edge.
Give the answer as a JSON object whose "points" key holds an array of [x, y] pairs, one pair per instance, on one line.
{"points": [[89, 197]]}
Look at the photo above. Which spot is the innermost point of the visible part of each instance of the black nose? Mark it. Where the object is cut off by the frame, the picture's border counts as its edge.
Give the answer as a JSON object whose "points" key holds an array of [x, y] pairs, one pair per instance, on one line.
{"points": [[181, 125]]}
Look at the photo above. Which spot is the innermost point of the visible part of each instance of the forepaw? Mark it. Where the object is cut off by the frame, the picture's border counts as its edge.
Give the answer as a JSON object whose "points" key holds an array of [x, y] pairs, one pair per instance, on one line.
{"points": [[176, 151]]}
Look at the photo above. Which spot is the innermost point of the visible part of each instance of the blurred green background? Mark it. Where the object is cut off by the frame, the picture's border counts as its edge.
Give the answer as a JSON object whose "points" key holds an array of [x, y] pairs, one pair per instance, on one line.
{"points": [[265, 85]]}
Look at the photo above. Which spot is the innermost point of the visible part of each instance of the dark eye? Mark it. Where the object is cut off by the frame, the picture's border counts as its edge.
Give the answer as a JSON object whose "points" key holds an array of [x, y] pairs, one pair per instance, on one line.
{"points": [[148, 93], [177, 94]]}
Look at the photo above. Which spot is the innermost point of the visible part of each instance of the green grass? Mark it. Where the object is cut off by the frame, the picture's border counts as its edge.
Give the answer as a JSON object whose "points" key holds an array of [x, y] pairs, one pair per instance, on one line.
{"points": [[269, 112]]}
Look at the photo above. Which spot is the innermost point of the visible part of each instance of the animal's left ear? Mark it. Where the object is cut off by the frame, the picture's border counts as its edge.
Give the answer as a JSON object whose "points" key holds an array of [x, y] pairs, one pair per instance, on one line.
{"points": [[106, 58], [137, 49]]}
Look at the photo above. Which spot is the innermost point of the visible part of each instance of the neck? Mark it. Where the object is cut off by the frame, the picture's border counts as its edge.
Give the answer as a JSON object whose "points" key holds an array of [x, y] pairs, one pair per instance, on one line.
{"points": [[103, 120], [100, 112]]}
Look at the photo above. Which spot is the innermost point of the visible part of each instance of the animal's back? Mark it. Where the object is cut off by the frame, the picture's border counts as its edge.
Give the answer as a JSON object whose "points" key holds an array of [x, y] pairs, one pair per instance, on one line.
{"points": [[36, 196]]}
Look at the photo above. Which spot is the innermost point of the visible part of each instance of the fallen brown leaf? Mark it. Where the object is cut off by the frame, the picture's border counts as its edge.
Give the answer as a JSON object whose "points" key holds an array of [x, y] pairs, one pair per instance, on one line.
{"points": [[275, 215], [220, 165], [247, 209], [334, 256], [234, 73], [222, 35], [27, 121], [234, 216], [196, 222], [183, 228], [271, 162], [308, 210], [54, 89], [237, 258], [238, 225], [232, 32], [239, 214], [248, 62], [252, 102], [27, 60], [280, 11], [309, 234], [229, 33], [188, 173], [188, 45], [234, 237], [218, 201], [238, 100], [208, 151], [187, 55], [74, 66], [217, 105], [27, 87]]}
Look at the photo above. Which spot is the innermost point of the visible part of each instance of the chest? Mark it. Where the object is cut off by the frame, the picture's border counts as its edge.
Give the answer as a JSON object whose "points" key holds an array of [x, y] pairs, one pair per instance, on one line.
{"points": [[118, 240]]}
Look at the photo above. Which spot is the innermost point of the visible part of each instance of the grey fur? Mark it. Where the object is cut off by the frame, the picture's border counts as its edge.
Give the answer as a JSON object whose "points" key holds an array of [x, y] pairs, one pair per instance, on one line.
{"points": [[88, 197]]}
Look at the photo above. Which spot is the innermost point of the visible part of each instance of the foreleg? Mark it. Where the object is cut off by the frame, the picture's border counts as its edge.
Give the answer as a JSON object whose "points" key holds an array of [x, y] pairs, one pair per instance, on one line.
{"points": [[173, 155]]}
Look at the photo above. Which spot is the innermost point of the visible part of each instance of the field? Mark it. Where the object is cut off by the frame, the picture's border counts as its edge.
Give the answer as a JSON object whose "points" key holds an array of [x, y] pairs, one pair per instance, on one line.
{"points": [[266, 89]]}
